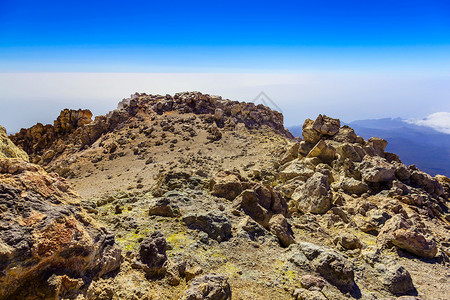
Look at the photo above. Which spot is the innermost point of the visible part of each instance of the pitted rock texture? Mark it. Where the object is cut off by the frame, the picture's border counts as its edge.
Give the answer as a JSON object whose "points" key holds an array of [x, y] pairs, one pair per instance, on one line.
{"points": [[43, 230]]}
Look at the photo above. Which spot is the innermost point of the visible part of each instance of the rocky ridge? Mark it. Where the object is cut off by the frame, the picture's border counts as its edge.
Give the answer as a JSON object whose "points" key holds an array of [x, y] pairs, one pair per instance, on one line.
{"points": [[211, 198]]}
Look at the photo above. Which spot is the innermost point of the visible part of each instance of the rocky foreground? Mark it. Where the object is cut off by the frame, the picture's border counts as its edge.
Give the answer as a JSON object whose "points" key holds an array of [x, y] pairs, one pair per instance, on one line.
{"points": [[195, 197]]}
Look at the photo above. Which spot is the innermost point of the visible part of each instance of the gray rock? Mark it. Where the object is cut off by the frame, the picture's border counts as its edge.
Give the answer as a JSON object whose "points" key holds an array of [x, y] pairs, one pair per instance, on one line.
{"points": [[252, 230], [316, 195], [329, 263], [209, 286], [395, 278], [376, 169], [214, 223], [353, 186], [401, 233]]}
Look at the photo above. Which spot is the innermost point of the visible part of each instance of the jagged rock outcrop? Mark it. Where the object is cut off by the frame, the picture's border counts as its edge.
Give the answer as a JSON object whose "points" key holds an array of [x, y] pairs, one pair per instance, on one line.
{"points": [[8, 149], [43, 231], [73, 129]]}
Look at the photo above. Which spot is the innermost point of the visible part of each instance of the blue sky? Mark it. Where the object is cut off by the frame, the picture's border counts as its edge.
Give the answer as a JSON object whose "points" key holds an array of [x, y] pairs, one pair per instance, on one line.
{"points": [[348, 59], [231, 36]]}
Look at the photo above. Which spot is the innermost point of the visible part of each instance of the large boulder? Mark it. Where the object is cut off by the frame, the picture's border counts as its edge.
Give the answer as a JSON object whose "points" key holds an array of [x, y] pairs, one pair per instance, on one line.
{"points": [[326, 126], [227, 185], [316, 195], [279, 226], [395, 278], [326, 153], [378, 145], [376, 169], [214, 223], [352, 186], [291, 154], [260, 203], [428, 183], [8, 149], [209, 286], [345, 135], [401, 233], [296, 168], [329, 263], [43, 230], [322, 126], [163, 207]]}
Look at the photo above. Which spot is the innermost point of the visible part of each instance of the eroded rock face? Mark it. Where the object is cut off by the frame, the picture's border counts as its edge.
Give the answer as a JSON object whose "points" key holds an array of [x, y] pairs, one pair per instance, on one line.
{"points": [[8, 149], [42, 230], [209, 286]]}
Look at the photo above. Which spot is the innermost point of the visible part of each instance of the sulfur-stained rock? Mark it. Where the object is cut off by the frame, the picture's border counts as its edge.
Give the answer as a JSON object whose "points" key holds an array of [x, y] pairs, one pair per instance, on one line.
{"points": [[43, 229], [8, 149]]}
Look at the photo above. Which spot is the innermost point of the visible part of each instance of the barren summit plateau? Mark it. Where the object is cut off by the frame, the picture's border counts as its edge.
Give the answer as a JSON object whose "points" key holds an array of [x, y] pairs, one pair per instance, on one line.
{"points": [[192, 196]]}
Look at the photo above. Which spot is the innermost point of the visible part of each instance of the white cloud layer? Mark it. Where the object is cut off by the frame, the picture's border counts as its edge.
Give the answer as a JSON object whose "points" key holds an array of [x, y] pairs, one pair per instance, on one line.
{"points": [[27, 98], [439, 121]]}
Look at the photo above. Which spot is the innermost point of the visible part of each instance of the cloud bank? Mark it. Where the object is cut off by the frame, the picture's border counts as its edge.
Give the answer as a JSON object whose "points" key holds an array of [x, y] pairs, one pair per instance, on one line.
{"points": [[439, 121], [27, 98]]}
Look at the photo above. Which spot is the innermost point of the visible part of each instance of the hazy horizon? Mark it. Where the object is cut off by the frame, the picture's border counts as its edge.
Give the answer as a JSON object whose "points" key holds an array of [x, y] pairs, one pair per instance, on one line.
{"points": [[348, 96], [348, 59]]}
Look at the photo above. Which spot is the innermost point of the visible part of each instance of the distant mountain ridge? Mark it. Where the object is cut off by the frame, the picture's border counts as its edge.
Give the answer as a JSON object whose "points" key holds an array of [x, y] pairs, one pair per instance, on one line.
{"points": [[422, 146]]}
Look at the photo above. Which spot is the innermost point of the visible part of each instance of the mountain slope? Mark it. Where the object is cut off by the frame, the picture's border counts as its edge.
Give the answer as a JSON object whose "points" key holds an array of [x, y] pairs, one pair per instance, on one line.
{"points": [[214, 199]]}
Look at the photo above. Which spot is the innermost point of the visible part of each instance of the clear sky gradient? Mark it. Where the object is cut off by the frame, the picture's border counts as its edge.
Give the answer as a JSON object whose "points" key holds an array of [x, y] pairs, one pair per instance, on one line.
{"points": [[349, 59], [205, 36]]}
